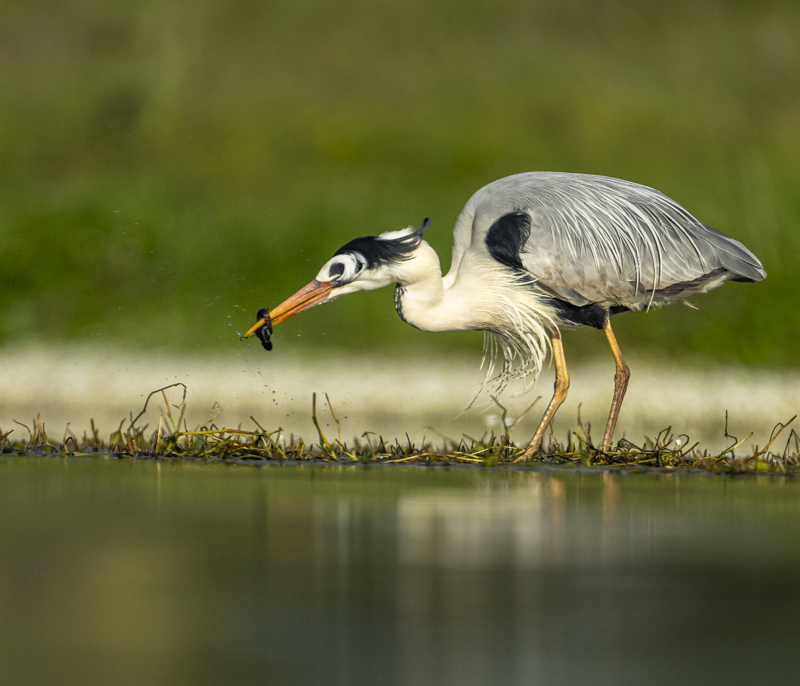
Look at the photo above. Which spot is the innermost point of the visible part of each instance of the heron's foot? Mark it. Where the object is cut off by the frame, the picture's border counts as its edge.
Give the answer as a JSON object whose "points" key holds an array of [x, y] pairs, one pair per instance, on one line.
{"points": [[530, 451], [607, 444]]}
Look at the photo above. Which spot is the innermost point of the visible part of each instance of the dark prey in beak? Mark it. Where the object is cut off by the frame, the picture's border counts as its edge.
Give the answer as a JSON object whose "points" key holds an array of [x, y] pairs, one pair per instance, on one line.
{"points": [[265, 331]]}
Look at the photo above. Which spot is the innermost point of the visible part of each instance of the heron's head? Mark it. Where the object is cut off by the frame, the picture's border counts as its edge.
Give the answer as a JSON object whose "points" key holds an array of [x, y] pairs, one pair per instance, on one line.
{"points": [[363, 264]]}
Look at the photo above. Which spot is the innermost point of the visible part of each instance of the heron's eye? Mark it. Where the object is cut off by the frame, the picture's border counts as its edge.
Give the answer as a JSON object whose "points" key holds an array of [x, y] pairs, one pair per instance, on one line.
{"points": [[343, 268]]}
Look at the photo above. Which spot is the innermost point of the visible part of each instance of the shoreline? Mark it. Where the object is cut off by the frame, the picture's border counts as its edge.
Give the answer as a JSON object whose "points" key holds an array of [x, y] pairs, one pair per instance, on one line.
{"points": [[390, 397]]}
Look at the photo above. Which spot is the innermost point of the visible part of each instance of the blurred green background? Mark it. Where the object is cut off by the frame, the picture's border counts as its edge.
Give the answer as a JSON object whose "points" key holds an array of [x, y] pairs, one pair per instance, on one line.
{"points": [[167, 168]]}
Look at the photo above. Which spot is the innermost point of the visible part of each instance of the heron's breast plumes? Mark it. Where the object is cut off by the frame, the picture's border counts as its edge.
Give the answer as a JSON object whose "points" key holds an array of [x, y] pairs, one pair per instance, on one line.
{"points": [[483, 296]]}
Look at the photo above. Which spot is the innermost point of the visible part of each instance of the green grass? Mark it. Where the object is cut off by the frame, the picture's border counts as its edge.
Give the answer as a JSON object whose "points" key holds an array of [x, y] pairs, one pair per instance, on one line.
{"points": [[166, 166], [174, 440]]}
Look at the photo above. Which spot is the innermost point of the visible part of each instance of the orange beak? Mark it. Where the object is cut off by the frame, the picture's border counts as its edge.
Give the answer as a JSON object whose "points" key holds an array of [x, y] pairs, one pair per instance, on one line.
{"points": [[315, 293]]}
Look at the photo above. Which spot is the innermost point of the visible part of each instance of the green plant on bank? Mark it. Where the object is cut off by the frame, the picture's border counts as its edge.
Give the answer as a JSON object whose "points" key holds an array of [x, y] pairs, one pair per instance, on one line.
{"points": [[174, 440]]}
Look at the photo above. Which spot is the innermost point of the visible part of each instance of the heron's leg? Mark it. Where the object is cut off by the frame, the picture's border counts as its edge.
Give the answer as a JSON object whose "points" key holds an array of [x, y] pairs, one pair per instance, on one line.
{"points": [[620, 384], [559, 395]]}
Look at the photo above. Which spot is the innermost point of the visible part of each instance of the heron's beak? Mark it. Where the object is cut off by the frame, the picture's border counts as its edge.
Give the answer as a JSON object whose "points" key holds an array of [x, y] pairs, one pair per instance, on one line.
{"points": [[315, 293]]}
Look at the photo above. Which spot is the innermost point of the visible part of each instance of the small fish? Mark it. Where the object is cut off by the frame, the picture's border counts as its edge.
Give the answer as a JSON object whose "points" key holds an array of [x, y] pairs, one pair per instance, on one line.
{"points": [[265, 331]]}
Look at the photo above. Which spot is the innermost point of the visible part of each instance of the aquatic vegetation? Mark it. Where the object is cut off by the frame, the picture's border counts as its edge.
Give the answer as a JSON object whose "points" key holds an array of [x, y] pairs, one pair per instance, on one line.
{"points": [[172, 439]]}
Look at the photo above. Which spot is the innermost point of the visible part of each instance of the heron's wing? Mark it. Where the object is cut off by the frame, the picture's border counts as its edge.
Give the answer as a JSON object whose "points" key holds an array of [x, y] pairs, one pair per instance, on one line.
{"points": [[597, 239]]}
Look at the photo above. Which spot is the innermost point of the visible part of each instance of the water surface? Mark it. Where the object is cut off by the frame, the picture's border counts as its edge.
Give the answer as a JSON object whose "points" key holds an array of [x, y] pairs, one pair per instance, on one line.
{"points": [[134, 572]]}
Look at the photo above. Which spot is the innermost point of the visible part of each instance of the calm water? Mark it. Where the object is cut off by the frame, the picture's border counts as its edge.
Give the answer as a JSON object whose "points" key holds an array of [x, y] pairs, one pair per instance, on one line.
{"points": [[131, 572]]}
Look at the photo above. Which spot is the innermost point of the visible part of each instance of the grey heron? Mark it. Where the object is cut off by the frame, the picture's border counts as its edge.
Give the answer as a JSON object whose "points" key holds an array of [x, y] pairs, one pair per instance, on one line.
{"points": [[535, 253]]}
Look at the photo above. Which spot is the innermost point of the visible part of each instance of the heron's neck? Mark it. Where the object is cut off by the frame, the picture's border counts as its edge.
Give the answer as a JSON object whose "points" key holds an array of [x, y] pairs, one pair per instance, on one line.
{"points": [[428, 301]]}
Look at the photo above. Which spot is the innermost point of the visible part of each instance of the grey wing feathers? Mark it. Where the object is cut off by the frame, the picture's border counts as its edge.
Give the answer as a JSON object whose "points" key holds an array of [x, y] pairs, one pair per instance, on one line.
{"points": [[596, 239]]}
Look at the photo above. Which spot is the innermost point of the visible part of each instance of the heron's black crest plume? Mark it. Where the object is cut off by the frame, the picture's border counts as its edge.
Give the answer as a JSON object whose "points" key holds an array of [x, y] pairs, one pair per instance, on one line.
{"points": [[378, 251], [426, 224]]}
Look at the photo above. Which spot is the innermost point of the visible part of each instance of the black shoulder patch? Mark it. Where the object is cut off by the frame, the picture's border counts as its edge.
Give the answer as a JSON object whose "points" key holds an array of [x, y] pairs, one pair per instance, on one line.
{"points": [[378, 251], [507, 237]]}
